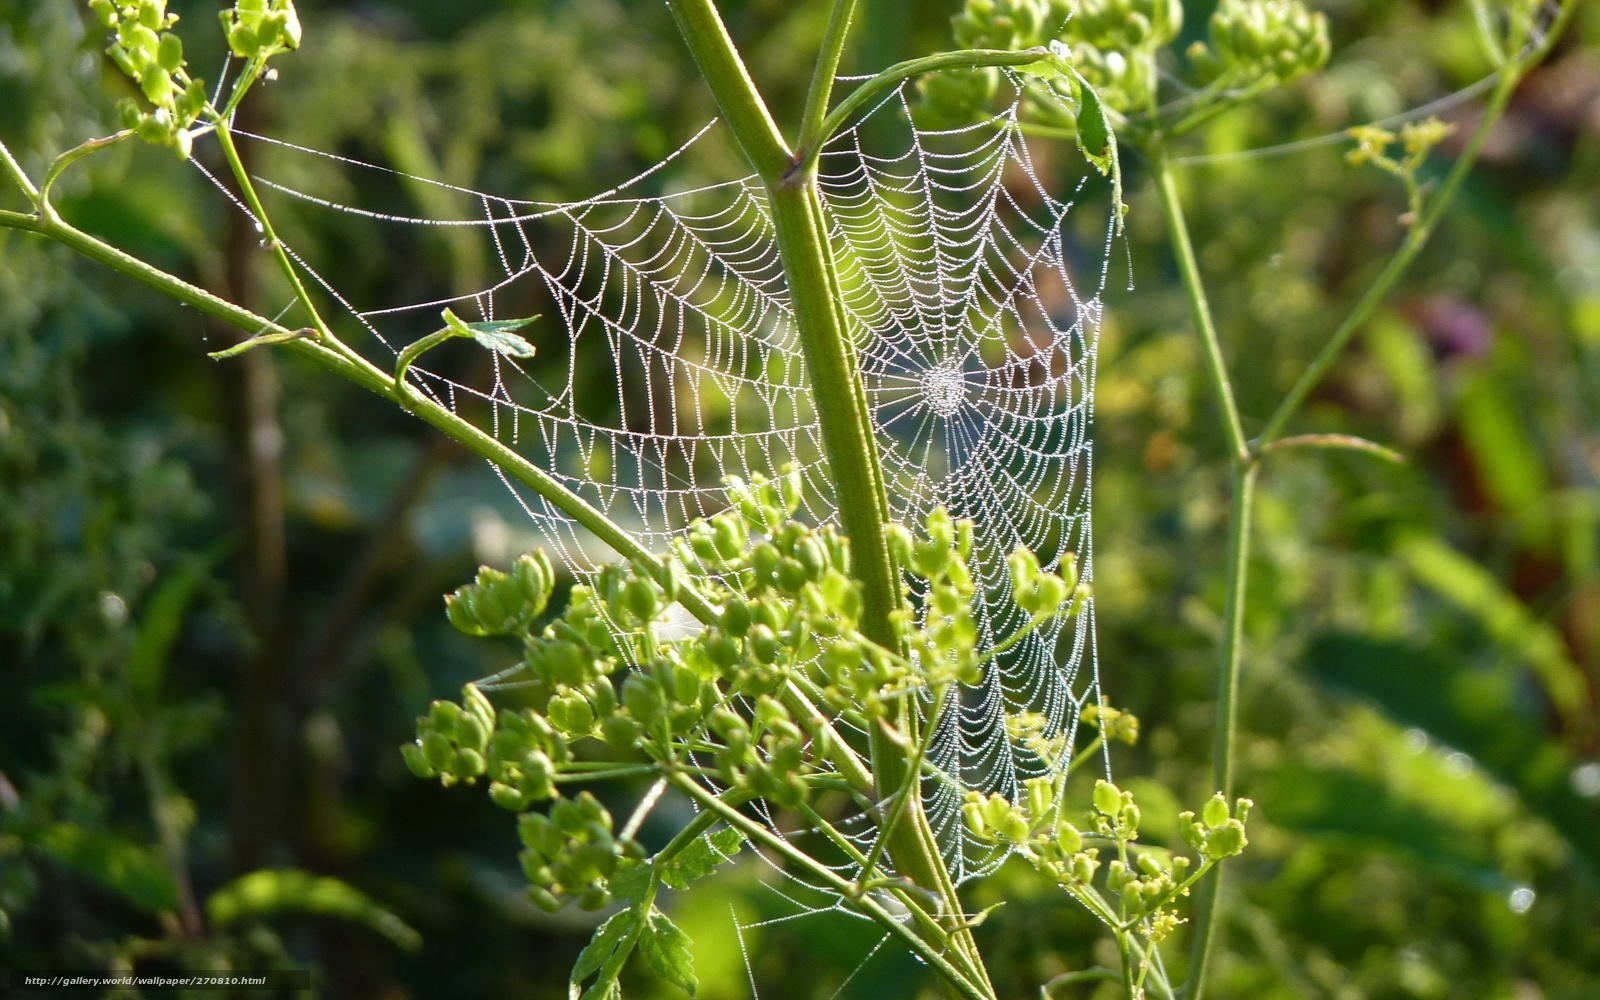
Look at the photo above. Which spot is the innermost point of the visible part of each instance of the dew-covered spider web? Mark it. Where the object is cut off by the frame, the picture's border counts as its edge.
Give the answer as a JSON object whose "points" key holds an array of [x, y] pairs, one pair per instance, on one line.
{"points": [[669, 359]]}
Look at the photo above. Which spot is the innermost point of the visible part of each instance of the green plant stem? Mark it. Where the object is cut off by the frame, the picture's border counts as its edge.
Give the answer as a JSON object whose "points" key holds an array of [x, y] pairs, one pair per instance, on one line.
{"points": [[351, 366], [839, 399], [1243, 486], [71, 156], [822, 77], [247, 188], [1421, 230], [1199, 305], [760, 834], [1238, 570], [871, 89], [18, 176]]}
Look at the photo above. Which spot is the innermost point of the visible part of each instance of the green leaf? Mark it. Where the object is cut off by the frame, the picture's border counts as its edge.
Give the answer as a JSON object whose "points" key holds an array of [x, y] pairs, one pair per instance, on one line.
{"points": [[162, 620], [701, 858], [1476, 591], [271, 892], [497, 335], [135, 873], [631, 881], [604, 944], [667, 949]]}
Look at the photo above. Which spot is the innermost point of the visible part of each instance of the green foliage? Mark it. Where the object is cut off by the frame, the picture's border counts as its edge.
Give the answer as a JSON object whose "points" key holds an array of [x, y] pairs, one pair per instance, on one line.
{"points": [[263, 895]]}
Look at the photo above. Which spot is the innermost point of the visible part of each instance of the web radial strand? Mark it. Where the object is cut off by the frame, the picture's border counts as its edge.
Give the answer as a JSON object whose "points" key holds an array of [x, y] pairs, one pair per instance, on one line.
{"points": [[668, 360]]}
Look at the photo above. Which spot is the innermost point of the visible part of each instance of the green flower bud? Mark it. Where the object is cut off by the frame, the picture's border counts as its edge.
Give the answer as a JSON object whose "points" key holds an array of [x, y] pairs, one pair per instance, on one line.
{"points": [[1067, 838], [1107, 797], [471, 733], [763, 644], [507, 797], [620, 730], [1215, 812], [544, 899], [642, 696], [417, 761], [438, 750]]}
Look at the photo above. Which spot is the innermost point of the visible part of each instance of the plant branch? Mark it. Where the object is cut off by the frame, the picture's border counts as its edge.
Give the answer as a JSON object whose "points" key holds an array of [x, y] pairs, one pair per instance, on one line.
{"points": [[19, 177], [1244, 480], [736, 94], [1499, 98], [1199, 305], [760, 834], [811, 130], [871, 89], [373, 379]]}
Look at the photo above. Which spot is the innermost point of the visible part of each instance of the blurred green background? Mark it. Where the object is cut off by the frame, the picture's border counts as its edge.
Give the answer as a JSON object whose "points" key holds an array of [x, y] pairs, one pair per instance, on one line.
{"points": [[219, 583]]}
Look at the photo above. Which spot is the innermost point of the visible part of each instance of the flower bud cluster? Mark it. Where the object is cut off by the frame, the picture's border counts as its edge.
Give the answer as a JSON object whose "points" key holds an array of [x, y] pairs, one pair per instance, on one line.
{"points": [[1218, 833], [572, 853], [1044, 594], [1113, 44], [452, 739], [1254, 41], [150, 54], [1034, 732], [717, 700], [499, 603], [1123, 25], [260, 29], [1375, 145], [1115, 723]]}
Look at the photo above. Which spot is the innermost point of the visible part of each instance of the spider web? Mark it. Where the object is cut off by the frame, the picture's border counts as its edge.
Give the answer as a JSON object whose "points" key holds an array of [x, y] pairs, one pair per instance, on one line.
{"points": [[975, 341]]}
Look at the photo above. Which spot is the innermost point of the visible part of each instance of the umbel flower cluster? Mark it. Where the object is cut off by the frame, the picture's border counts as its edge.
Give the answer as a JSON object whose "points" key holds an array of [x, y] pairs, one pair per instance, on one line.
{"points": [[744, 708], [613, 687], [150, 53], [1251, 45]]}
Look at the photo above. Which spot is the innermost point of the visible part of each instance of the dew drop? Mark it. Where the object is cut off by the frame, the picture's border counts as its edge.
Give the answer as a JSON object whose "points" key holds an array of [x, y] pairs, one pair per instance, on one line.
{"points": [[1521, 899]]}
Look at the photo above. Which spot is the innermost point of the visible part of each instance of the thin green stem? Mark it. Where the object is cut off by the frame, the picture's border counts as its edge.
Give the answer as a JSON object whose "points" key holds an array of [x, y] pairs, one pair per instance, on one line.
{"points": [[247, 188], [1199, 305], [760, 834], [1421, 230], [70, 157], [19, 177], [370, 377], [823, 76], [1244, 480], [871, 89]]}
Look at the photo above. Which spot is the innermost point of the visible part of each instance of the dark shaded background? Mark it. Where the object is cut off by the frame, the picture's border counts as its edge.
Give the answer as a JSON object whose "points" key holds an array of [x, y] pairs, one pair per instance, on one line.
{"points": [[219, 583]]}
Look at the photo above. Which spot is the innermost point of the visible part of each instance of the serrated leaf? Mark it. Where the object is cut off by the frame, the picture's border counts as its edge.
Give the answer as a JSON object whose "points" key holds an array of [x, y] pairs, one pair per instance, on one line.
{"points": [[701, 858], [276, 891], [668, 950], [496, 335], [603, 944], [631, 880]]}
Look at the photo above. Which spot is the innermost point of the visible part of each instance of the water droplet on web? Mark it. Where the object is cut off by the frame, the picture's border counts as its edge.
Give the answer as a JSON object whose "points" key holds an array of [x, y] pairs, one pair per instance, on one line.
{"points": [[944, 388], [1521, 899], [259, 227]]}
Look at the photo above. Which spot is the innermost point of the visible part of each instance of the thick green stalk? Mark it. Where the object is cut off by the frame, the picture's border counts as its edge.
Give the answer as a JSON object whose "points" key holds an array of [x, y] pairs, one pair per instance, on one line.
{"points": [[840, 401]]}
